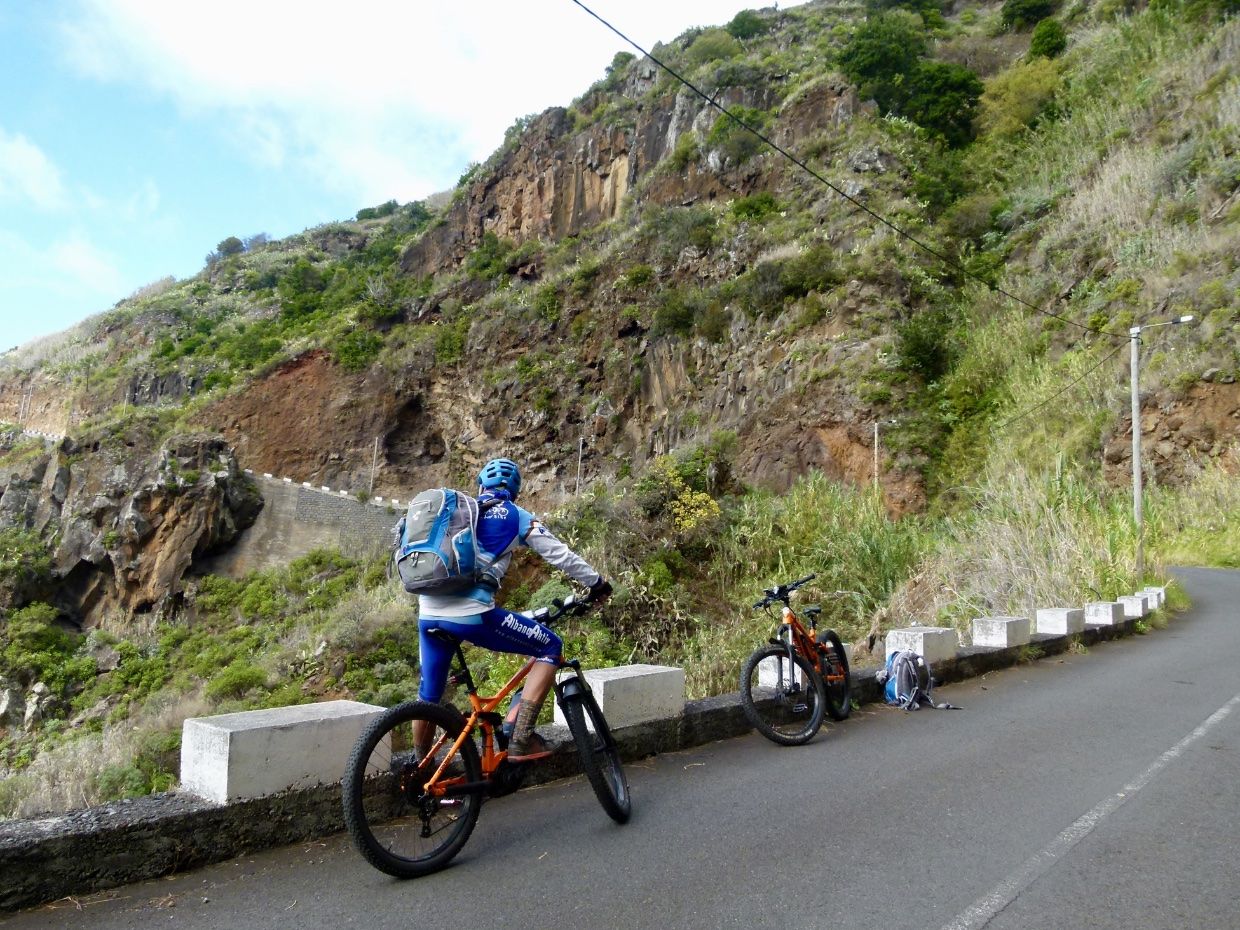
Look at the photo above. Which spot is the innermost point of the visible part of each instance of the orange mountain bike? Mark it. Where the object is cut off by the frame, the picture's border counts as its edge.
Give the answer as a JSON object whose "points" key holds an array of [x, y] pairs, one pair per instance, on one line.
{"points": [[788, 683], [408, 817]]}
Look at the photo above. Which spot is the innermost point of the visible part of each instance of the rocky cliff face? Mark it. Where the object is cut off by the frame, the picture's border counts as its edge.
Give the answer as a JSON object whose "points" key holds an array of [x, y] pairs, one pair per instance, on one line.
{"points": [[126, 522], [560, 181]]}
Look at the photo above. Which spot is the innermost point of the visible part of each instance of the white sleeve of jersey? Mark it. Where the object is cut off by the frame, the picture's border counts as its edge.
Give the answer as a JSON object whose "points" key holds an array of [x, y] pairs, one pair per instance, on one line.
{"points": [[558, 555]]}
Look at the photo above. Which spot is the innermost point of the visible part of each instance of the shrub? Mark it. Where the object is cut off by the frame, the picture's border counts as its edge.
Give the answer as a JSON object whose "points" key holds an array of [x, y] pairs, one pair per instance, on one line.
{"points": [[491, 259], [881, 52], [677, 313], [356, 349], [230, 246], [25, 566], [450, 341], [1016, 98], [1017, 14], [746, 25], [234, 681], [735, 141], [673, 229], [546, 303], [301, 289], [384, 209], [942, 97], [637, 276], [684, 153], [713, 45], [1049, 39], [755, 207], [923, 344]]}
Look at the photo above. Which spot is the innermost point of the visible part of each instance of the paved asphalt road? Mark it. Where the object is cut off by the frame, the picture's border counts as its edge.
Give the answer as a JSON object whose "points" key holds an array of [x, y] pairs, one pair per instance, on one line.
{"points": [[1094, 790]]}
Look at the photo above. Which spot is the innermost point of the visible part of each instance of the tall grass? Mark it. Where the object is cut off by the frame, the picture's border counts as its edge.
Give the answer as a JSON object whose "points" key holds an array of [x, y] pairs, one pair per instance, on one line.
{"points": [[1027, 540], [842, 535]]}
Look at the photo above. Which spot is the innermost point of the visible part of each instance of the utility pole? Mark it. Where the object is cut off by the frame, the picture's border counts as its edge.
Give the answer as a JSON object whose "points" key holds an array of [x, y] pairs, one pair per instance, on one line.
{"points": [[581, 451], [374, 463], [875, 455], [1138, 513]]}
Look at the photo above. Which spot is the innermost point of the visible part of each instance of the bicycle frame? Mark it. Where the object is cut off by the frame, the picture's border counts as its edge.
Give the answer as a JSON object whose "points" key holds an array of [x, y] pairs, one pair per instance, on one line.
{"points": [[482, 714], [793, 634]]}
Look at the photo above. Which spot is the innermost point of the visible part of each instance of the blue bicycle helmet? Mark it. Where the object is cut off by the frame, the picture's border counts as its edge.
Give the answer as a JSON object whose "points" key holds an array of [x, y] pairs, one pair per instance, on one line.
{"points": [[501, 473]]}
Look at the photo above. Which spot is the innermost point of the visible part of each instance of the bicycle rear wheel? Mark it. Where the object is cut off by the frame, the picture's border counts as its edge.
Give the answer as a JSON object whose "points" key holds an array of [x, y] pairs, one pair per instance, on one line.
{"points": [[837, 685], [783, 699], [395, 824], [600, 759]]}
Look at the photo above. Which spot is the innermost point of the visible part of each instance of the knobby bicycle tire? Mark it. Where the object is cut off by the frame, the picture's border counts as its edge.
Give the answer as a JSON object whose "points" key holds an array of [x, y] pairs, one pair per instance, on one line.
{"points": [[784, 702], [836, 680], [394, 825], [600, 759]]}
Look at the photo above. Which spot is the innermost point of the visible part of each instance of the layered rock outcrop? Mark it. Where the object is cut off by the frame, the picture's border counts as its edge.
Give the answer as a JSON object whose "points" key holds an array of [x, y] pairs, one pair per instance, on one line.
{"points": [[127, 523]]}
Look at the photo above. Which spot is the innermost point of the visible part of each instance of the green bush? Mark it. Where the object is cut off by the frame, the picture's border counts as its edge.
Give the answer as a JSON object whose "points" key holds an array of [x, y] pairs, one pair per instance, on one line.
{"points": [[942, 97], [684, 153], [301, 289], [356, 349], [1049, 39], [673, 229], [546, 303], [755, 207], [234, 681], [924, 344], [881, 52], [747, 24], [491, 259], [732, 139], [677, 312], [25, 566], [1018, 14], [371, 213], [713, 45], [1013, 100]]}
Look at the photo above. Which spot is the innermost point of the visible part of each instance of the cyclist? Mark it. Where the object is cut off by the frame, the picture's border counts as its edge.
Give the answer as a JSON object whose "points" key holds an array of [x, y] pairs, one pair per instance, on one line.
{"points": [[473, 616]]}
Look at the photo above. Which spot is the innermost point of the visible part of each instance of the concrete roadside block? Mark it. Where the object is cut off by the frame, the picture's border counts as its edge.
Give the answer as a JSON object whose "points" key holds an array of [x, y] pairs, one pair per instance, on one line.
{"points": [[236, 757], [934, 643], [1000, 632], [1104, 613], [631, 694], [1158, 596], [1060, 621], [1135, 605]]}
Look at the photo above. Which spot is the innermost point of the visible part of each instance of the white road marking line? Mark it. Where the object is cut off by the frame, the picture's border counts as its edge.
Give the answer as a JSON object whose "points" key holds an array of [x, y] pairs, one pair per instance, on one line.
{"points": [[985, 908]]}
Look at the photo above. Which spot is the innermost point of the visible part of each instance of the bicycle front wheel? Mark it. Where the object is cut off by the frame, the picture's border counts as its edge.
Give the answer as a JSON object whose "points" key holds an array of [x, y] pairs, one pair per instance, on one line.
{"points": [[835, 678], [398, 826], [596, 748], [783, 698]]}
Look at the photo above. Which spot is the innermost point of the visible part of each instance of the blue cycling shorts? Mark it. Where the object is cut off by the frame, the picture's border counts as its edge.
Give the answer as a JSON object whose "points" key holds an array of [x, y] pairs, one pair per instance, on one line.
{"points": [[495, 629]]}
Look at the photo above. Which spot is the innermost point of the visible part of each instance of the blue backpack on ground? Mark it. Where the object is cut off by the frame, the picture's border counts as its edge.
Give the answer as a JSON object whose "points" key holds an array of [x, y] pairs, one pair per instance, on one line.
{"points": [[907, 682], [436, 544]]}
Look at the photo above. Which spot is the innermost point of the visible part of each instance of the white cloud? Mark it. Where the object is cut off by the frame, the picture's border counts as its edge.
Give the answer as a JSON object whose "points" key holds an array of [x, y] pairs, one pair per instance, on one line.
{"points": [[27, 174], [71, 267], [378, 97]]}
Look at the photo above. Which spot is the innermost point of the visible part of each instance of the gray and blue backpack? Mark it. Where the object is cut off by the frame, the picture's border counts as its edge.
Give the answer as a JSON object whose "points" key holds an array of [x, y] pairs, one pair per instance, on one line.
{"points": [[907, 682], [436, 549]]}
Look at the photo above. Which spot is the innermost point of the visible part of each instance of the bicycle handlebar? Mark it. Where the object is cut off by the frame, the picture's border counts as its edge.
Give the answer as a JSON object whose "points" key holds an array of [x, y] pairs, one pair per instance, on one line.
{"points": [[782, 591], [569, 605]]}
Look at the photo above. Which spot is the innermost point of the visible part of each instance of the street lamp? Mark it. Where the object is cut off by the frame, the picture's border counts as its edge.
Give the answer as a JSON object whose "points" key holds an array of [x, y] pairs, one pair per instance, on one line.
{"points": [[1134, 335]]}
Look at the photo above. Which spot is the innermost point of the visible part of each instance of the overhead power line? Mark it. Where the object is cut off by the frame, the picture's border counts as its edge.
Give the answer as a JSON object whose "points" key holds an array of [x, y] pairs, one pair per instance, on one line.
{"points": [[1067, 387], [930, 250]]}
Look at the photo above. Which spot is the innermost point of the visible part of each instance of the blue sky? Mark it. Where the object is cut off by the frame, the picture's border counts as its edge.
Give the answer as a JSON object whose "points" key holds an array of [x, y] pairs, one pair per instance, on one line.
{"points": [[135, 135]]}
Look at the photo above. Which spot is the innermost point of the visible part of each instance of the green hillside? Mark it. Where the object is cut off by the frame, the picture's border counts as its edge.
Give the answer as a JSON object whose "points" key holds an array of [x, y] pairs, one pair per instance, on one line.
{"points": [[999, 193]]}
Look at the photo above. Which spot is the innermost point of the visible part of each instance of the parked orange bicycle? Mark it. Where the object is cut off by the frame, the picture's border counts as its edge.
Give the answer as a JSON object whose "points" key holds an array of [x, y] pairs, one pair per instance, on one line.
{"points": [[787, 684], [408, 816]]}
